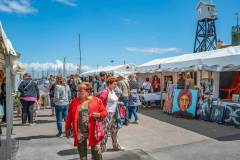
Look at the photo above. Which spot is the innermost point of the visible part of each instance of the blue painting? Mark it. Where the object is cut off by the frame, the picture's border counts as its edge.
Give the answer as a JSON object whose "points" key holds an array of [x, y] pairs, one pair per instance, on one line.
{"points": [[217, 114], [185, 102]]}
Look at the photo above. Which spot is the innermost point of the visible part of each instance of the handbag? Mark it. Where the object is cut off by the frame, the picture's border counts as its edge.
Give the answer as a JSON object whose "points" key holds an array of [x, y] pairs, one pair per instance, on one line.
{"points": [[1, 111], [98, 130], [122, 111]]}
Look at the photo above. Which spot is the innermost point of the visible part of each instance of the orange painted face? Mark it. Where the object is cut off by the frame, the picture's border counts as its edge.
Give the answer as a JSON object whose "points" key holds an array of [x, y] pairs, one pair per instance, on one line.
{"points": [[184, 102]]}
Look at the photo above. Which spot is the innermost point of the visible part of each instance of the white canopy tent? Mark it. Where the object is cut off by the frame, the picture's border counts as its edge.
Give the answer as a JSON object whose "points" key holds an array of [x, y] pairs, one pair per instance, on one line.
{"points": [[123, 69], [226, 59]]}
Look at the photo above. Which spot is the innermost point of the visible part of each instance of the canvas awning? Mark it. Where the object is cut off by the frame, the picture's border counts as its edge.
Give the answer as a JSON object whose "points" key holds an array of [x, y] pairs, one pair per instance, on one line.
{"points": [[6, 43], [226, 59], [123, 69]]}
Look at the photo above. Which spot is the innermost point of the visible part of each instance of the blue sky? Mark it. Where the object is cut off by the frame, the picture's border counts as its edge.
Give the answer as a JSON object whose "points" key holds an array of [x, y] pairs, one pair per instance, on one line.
{"points": [[133, 30]]}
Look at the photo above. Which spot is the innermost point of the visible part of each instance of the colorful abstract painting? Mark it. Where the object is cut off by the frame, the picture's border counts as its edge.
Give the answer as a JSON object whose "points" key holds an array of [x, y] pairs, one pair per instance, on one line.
{"points": [[185, 102], [168, 104]]}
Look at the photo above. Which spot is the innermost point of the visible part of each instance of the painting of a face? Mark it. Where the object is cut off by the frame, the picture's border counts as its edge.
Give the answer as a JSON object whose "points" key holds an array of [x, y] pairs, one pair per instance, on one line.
{"points": [[184, 100]]}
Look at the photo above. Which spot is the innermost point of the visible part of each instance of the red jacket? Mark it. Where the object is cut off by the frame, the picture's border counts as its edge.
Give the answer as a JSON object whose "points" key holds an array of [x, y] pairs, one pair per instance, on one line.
{"points": [[156, 83], [96, 105]]}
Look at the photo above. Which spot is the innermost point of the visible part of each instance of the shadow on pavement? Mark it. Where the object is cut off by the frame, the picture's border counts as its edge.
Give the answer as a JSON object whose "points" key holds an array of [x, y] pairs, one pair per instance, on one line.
{"points": [[68, 152], [37, 122], [36, 137], [208, 129], [45, 121], [129, 155]]}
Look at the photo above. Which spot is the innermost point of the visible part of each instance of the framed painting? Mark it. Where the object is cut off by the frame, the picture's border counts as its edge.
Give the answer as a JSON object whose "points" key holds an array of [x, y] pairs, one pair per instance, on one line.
{"points": [[185, 102], [217, 114], [232, 115]]}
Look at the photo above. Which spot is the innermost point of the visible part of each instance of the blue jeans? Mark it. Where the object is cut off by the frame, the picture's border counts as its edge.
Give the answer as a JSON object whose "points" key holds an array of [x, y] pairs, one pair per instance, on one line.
{"points": [[125, 101], [61, 113], [133, 111]]}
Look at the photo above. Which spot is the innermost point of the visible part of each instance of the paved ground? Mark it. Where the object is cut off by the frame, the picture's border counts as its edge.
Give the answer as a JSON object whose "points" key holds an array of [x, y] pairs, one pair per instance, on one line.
{"points": [[157, 137]]}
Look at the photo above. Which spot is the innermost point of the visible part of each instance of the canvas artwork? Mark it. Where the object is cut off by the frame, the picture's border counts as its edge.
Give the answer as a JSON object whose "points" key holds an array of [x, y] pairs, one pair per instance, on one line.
{"points": [[169, 99], [206, 86], [204, 109], [185, 102], [168, 104], [205, 101], [232, 115], [217, 114]]}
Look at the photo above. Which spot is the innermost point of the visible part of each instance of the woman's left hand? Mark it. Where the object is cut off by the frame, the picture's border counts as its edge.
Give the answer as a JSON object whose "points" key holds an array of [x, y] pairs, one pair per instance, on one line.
{"points": [[96, 115]]}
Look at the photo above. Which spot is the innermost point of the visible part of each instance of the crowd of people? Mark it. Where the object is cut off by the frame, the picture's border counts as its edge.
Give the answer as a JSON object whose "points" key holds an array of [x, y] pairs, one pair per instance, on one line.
{"points": [[93, 109]]}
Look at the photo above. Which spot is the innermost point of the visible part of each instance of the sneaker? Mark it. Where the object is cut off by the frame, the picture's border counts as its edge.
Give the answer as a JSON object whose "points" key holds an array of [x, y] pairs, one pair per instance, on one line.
{"points": [[32, 124], [59, 135], [120, 148], [136, 121]]}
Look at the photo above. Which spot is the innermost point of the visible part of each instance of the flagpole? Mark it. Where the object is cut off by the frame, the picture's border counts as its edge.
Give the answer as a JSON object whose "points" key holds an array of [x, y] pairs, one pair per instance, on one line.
{"points": [[80, 53]]}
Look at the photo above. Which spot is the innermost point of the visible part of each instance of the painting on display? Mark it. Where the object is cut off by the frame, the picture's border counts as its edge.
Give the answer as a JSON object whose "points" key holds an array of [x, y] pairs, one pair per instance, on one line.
{"points": [[185, 102], [232, 115], [204, 109], [206, 86], [205, 101], [217, 114], [169, 99], [168, 104]]}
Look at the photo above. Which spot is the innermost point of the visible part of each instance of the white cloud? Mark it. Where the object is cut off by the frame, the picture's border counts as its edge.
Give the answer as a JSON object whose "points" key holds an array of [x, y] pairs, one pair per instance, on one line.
{"points": [[67, 2], [17, 6], [54, 67], [151, 50]]}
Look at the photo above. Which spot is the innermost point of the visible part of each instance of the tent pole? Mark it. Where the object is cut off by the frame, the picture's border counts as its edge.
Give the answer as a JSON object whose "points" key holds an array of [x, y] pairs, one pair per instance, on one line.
{"points": [[9, 108]]}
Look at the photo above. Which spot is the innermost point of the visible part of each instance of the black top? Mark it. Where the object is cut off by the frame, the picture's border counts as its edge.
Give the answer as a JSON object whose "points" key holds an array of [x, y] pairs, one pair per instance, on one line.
{"points": [[28, 88]]}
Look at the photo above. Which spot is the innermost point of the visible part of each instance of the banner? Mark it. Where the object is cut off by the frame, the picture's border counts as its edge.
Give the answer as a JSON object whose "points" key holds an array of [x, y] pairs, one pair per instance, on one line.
{"points": [[185, 102]]}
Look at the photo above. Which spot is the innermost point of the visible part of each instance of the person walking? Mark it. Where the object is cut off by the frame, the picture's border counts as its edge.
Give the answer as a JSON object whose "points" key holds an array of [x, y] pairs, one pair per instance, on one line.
{"points": [[73, 86], [62, 96], [52, 84], [123, 85], [134, 101], [29, 94], [110, 101], [83, 113], [102, 84]]}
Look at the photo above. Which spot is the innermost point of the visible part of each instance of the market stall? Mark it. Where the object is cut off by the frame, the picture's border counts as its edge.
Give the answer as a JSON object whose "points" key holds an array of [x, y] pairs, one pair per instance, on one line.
{"points": [[215, 76]]}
